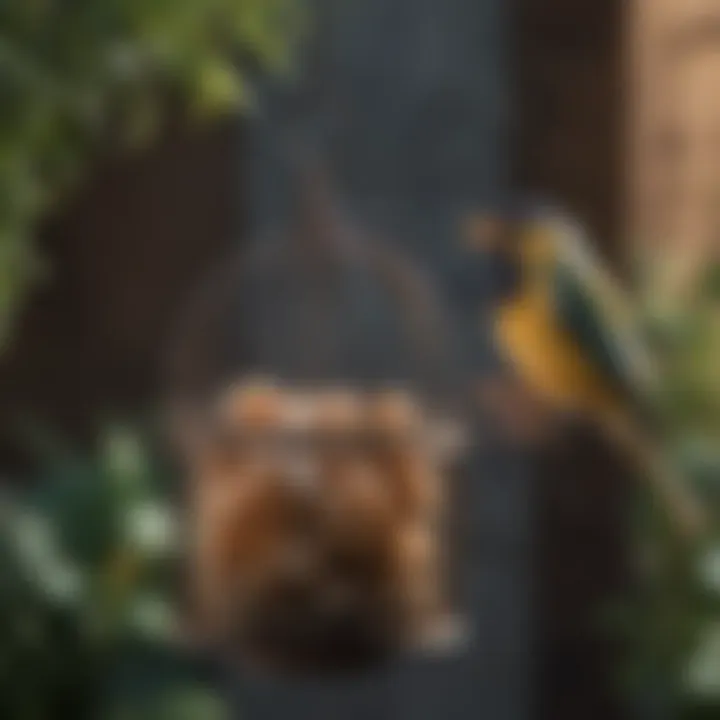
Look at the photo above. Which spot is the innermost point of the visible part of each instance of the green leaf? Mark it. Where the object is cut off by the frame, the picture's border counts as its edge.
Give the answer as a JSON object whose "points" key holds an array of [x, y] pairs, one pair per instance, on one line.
{"points": [[218, 88], [69, 78], [703, 672]]}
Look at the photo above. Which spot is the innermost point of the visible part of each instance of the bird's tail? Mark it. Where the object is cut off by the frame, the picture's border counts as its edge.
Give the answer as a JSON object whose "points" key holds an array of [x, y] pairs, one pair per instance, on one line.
{"points": [[683, 507]]}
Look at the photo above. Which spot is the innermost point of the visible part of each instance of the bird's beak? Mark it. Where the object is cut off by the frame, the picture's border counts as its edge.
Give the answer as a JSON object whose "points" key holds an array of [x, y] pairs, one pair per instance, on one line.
{"points": [[482, 232], [490, 237]]}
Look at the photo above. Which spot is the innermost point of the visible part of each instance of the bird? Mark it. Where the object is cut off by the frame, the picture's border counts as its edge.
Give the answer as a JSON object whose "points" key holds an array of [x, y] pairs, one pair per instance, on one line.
{"points": [[568, 330]]}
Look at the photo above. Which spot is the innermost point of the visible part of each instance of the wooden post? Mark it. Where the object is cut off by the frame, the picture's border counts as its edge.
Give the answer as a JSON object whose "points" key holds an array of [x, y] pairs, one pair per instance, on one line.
{"points": [[674, 129]]}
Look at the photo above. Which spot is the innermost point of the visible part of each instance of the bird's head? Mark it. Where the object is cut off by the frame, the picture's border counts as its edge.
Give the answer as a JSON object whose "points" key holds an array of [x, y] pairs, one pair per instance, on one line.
{"points": [[521, 243]]}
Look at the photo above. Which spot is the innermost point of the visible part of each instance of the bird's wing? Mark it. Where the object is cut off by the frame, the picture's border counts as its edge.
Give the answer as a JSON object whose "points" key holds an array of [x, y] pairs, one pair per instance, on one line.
{"points": [[597, 312]]}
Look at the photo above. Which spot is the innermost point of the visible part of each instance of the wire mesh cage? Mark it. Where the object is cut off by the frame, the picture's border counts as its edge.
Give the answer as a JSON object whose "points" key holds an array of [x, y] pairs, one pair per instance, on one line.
{"points": [[312, 398]]}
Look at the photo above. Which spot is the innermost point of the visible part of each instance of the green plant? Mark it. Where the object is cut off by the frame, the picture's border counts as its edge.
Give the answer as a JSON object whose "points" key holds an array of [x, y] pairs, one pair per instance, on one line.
{"points": [[674, 626], [79, 76], [88, 620]]}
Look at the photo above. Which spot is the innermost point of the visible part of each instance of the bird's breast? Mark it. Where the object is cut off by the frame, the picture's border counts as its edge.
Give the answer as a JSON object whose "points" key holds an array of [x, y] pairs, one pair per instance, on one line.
{"points": [[546, 357]]}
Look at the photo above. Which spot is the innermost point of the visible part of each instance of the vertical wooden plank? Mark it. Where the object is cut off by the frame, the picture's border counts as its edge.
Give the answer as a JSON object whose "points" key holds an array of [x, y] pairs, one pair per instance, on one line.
{"points": [[123, 254], [569, 73], [572, 87], [674, 123]]}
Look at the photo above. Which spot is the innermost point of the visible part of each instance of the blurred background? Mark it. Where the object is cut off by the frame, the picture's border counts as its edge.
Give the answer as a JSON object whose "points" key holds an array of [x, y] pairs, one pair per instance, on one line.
{"points": [[142, 140]]}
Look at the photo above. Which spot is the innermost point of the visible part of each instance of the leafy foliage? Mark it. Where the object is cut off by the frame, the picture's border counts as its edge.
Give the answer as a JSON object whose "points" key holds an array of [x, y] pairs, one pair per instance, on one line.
{"points": [[79, 76], [88, 624], [674, 628]]}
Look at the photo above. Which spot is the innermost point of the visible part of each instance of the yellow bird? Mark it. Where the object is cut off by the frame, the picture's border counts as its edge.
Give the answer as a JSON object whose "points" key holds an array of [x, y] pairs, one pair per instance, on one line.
{"points": [[570, 334]]}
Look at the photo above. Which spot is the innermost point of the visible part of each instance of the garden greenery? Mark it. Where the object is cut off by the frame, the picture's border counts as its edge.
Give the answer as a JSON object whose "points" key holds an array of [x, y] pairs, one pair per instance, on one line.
{"points": [[674, 628], [79, 77]]}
